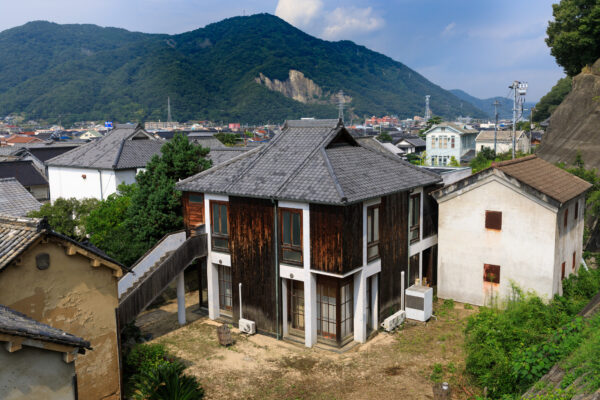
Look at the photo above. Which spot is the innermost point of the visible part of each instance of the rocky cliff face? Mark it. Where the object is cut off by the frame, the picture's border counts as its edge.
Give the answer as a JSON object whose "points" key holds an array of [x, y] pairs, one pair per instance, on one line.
{"points": [[299, 88], [575, 124]]}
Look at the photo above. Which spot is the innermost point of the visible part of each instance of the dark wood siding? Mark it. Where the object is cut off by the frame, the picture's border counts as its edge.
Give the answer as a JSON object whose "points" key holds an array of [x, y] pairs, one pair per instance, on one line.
{"points": [[251, 243], [336, 240], [430, 213], [394, 252], [193, 212]]}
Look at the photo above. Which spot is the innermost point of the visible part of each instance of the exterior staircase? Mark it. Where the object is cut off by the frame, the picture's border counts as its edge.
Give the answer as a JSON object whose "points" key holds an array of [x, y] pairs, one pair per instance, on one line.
{"points": [[155, 270]]}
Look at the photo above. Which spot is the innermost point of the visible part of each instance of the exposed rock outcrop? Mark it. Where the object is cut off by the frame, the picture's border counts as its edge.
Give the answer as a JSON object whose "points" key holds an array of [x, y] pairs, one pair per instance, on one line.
{"points": [[299, 88], [575, 124]]}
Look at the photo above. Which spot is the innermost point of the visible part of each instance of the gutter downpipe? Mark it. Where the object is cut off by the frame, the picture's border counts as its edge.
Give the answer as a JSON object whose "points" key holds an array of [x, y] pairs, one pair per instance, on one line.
{"points": [[275, 236], [101, 193]]}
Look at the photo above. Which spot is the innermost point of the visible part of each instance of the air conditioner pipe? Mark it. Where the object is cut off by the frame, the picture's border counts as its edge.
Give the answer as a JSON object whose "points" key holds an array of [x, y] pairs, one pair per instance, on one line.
{"points": [[240, 286]]}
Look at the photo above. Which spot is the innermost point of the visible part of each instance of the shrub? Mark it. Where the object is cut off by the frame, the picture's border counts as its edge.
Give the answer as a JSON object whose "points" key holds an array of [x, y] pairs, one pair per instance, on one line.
{"points": [[167, 382], [143, 358]]}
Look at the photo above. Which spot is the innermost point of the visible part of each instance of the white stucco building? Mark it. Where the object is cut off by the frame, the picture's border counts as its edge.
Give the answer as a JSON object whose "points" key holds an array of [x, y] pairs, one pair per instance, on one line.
{"points": [[503, 141], [519, 221], [448, 140], [97, 168]]}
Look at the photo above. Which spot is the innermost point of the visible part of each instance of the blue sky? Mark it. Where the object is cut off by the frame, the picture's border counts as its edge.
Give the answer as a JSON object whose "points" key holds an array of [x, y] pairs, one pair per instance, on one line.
{"points": [[479, 46]]}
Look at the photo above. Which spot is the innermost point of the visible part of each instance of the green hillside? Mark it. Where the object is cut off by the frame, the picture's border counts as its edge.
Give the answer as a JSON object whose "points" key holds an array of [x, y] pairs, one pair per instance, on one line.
{"points": [[81, 72]]}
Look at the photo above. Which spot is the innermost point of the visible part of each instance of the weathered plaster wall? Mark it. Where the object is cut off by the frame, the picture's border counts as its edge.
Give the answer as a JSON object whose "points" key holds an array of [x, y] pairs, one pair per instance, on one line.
{"points": [[69, 182], [73, 296], [524, 248], [32, 373], [569, 240]]}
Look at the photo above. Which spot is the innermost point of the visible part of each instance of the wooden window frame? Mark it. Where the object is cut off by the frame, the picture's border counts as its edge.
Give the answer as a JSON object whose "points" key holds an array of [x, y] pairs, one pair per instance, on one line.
{"points": [[374, 243], [417, 227], [218, 235], [191, 196], [491, 273], [291, 247], [338, 307], [563, 267], [574, 259], [452, 142], [489, 222], [222, 283], [294, 299]]}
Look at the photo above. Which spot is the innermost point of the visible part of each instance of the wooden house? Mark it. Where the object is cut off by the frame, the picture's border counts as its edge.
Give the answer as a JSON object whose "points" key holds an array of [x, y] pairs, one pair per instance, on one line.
{"points": [[316, 229]]}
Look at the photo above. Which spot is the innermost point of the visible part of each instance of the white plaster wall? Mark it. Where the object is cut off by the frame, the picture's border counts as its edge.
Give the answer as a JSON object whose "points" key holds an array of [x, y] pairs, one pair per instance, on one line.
{"points": [[501, 147], [524, 248], [212, 274], [126, 176], [568, 240], [32, 373], [69, 182]]}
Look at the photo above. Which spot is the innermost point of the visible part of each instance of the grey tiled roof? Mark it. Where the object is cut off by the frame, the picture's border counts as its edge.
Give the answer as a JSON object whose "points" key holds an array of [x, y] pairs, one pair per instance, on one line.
{"points": [[106, 153], [18, 233], [220, 155], [501, 136], [206, 139], [24, 171], [415, 141], [15, 200], [17, 324], [311, 161]]}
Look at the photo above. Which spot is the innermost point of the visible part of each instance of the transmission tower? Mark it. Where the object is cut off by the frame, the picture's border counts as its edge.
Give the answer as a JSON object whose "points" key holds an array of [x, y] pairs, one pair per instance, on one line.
{"points": [[168, 111], [341, 105], [427, 109], [519, 91], [495, 104]]}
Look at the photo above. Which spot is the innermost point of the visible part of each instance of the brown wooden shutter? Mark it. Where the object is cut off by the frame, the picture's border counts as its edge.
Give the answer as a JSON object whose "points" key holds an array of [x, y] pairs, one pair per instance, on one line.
{"points": [[493, 220], [574, 261], [576, 210], [562, 273], [491, 273]]}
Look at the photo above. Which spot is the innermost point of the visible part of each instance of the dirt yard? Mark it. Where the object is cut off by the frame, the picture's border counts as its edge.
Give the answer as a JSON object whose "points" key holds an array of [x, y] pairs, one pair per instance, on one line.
{"points": [[399, 365]]}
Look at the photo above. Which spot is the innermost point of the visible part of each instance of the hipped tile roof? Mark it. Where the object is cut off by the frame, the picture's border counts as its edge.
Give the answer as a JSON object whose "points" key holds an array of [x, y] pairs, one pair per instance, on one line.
{"points": [[15, 200]]}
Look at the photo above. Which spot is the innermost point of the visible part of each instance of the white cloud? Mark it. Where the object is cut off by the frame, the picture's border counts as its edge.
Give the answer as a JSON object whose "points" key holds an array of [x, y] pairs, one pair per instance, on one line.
{"points": [[298, 13], [449, 29], [346, 21]]}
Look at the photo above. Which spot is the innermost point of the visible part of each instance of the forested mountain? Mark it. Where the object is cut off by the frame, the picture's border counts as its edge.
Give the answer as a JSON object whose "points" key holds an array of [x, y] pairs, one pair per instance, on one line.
{"points": [[249, 69], [487, 105]]}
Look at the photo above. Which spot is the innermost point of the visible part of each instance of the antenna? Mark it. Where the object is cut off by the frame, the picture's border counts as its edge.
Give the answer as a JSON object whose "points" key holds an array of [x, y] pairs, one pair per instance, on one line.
{"points": [[341, 105], [495, 104], [168, 111], [427, 109], [519, 90]]}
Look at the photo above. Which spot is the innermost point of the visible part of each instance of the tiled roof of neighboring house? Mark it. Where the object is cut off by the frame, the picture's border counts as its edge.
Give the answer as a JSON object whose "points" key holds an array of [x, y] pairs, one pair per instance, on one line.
{"points": [[16, 324], [461, 128], [206, 139], [467, 156], [220, 155], [15, 200], [415, 141], [107, 152], [546, 181], [22, 139], [541, 175], [313, 161], [18, 233], [24, 171], [502, 136]]}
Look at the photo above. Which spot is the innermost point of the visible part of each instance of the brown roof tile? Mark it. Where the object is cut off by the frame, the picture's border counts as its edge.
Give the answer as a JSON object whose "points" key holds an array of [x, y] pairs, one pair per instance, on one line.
{"points": [[549, 179]]}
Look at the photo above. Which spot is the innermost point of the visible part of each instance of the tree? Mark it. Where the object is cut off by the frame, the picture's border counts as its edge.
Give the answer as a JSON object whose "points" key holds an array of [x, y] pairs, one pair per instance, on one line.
{"points": [[228, 139], [482, 160], [155, 205], [107, 228], [574, 35], [67, 216], [552, 99], [453, 162], [384, 137]]}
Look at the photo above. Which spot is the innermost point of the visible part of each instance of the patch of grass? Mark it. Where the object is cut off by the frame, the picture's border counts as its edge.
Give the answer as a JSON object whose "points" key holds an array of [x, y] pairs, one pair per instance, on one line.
{"points": [[302, 364]]}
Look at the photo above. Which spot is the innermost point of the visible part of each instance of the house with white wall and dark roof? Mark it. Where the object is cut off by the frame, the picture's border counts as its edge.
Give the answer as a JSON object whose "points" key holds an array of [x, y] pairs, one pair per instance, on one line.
{"points": [[97, 168], [317, 229], [448, 140]]}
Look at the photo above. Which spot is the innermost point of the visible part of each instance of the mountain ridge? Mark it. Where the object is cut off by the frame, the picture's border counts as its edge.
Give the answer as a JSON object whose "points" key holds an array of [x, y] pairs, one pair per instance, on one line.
{"points": [[486, 105], [79, 72]]}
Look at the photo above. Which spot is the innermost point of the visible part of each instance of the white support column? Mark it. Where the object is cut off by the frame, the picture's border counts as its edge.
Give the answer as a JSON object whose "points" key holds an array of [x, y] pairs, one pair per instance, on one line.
{"points": [[284, 302], [310, 310], [360, 294], [375, 300], [181, 298], [212, 275]]}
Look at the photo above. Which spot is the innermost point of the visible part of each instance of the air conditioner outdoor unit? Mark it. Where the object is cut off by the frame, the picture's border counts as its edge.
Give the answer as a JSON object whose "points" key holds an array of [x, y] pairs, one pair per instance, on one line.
{"points": [[247, 326], [393, 321], [419, 302]]}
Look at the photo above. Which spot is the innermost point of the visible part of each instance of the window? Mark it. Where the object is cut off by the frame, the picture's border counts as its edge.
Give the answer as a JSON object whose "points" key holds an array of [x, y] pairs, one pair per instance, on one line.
{"points": [[225, 289], [335, 308], [196, 198], [576, 210], [373, 232], [566, 217], [574, 254], [219, 226], [415, 217], [493, 220], [291, 235], [562, 271], [296, 304], [444, 142], [452, 142], [491, 273]]}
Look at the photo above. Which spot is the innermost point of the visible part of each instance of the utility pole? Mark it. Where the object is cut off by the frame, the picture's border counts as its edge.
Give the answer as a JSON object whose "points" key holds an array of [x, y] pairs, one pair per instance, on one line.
{"points": [[519, 91], [427, 109], [341, 105], [495, 104], [168, 111]]}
